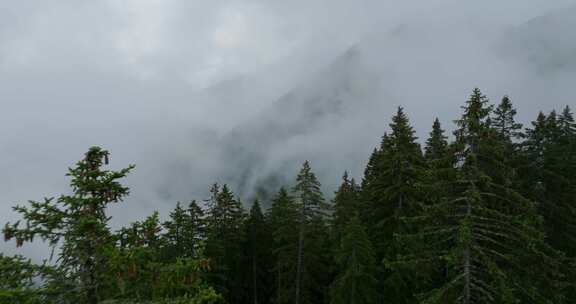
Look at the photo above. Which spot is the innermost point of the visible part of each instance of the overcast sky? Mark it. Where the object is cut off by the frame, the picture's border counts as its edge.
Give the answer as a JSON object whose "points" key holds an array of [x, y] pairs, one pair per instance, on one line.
{"points": [[159, 83]]}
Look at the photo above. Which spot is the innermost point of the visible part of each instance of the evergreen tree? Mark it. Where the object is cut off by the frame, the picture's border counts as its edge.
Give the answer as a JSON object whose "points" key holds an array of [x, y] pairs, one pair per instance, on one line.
{"points": [[548, 177], [311, 259], [78, 222], [345, 204], [567, 123], [479, 233], [437, 144], [394, 192], [371, 170], [283, 219], [142, 272], [185, 231], [504, 121], [258, 253], [400, 167], [368, 196], [224, 239], [356, 282], [137, 261], [489, 218], [17, 281]]}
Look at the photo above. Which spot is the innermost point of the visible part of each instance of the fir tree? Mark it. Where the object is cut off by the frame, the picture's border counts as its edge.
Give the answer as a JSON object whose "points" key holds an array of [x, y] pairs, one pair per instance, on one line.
{"points": [[185, 231], [479, 233], [504, 121], [437, 144], [78, 222], [567, 123], [283, 217], [312, 235], [356, 282], [258, 253], [17, 281], [400, 165], [393, 193], [224, 239], [346, 205], [136, 262], [548, 177]]}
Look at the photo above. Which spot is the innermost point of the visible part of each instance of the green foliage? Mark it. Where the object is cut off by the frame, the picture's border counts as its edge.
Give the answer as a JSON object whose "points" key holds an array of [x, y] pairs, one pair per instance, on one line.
{"points": [[95, 264], [205, 295], [258, 256], [282, 217], [356, 280], [437, 144], [17, 280], [504, 121], [313, 248], [484, 233], [223, 243], [487, 218], [185, 231], [548, 176], [393, 191], [78, 222], [346, 205]]}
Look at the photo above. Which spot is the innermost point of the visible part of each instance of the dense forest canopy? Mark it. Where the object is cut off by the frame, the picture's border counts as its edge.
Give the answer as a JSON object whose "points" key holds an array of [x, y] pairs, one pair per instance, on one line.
{"points": [[488, 217]]}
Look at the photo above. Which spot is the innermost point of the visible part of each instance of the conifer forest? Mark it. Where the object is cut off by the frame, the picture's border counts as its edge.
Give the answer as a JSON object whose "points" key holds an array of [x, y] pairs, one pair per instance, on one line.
{"points": [[482, 214]]}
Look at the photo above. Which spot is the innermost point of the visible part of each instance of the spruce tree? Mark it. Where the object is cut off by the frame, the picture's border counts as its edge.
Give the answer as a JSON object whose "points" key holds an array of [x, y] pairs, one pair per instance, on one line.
{"points": [[548, 177], [567, 123], [283, 219], [258, 256], [143, 272], [135, 265], [185, 231], [346, 205], [368, 196], [77, 223], [400, 166], [394, 192], [504, 122], [312, 238], [478, 234], [17, 280], [356, 280], [437, 144], [224, 239]]}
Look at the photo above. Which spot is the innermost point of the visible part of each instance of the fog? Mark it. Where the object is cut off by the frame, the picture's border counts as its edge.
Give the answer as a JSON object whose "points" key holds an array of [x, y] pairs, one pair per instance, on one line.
{"points": [[242, 92]]}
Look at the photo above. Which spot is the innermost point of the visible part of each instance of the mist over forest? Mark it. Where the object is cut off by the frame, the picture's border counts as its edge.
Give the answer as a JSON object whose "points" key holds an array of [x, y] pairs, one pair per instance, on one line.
{"points": [[241, 94]]}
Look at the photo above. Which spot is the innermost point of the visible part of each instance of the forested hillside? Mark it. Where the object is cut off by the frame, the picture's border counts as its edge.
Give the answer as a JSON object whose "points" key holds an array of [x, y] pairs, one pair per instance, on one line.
{"points": [[487, 215]]}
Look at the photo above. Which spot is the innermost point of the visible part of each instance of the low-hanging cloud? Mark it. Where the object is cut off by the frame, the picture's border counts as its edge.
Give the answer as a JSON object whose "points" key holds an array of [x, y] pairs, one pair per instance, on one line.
{"points": [[195, 92]]}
